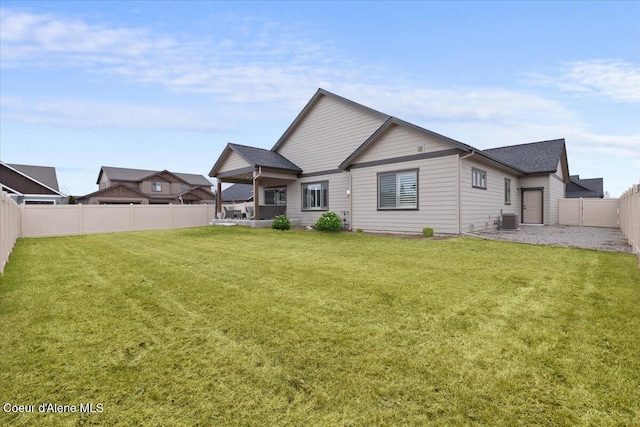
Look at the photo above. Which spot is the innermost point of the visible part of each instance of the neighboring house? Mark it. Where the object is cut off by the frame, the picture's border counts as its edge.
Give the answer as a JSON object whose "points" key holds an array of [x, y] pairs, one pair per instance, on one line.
{"points": [[29, 185], [138, 186], [238, 193], [385, 174], [591, 187]]}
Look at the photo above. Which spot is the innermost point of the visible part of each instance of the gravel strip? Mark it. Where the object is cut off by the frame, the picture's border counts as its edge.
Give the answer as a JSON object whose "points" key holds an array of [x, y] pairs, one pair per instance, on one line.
{"points": [[598, 238]]}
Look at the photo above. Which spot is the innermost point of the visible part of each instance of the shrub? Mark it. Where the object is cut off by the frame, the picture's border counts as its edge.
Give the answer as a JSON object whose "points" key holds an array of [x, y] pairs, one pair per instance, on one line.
{"points": [[329, 221], [281, 222], [359, 230], [427, 232]]}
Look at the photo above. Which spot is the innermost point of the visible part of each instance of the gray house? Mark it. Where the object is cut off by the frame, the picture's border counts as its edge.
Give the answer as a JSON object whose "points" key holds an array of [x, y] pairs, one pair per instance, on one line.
{"points": [[28, 184], [385, 174], [140, 186]]}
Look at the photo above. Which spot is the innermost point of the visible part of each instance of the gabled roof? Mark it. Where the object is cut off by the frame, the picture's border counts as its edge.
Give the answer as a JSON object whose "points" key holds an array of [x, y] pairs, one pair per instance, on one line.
{"points": [[237, 192], [532, 158], [193, 179], [256, 157], [313, 101], [110, 188], [138, 175], [398, 122], [42, 175], [535, 157], [590, 187]]}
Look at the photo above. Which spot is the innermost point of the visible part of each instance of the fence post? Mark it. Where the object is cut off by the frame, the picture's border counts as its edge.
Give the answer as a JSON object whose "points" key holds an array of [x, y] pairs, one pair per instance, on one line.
{"points": [[22, 221], [204, 209], [80, 219]]}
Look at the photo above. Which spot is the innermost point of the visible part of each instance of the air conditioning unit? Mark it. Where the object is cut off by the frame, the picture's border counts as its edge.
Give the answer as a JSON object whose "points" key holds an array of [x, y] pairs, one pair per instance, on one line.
{"points": [[509, 221]]}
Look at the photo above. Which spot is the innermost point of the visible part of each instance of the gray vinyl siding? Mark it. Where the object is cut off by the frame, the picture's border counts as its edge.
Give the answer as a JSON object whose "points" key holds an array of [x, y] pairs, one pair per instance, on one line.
{"points": [[338, 200], [437, 198], [482, 207], [104, 181], [401, 141], [556, 192], [233, 161], [329, 133]]}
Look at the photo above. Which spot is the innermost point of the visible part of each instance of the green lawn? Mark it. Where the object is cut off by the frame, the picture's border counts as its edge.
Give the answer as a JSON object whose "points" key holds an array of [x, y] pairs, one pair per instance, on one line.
{"points": [[224, 326]]}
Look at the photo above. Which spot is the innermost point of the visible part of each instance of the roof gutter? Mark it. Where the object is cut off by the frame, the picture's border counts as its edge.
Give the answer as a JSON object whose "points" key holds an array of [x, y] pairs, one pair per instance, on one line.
{"points": [[460, 159]]}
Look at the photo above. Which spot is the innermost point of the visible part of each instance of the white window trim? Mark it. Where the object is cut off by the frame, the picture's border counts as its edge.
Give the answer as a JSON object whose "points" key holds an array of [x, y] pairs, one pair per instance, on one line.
{"points": [[479, 178]]}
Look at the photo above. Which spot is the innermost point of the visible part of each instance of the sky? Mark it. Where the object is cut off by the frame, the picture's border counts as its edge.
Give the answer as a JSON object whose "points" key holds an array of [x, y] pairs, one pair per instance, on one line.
{"points": [[166, 85]]}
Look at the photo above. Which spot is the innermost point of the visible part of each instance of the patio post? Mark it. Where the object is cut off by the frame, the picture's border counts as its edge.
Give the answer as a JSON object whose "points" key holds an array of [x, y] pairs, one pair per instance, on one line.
{"points": [[256, 198], [219, 199]]}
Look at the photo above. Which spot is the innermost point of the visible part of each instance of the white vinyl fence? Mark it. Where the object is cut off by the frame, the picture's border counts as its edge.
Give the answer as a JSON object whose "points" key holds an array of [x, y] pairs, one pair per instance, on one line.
{"points": [[9, 227], [64, 220], [630, 217], [589, 212]]}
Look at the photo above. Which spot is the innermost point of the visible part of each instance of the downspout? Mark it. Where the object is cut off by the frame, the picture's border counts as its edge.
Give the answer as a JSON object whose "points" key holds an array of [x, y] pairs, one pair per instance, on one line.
{"points": [[460, 159], [350, 202]]}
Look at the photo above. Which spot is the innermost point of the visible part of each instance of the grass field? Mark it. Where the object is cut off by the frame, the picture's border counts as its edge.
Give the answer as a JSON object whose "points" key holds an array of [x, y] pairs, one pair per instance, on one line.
{"points": [[221, 326]]}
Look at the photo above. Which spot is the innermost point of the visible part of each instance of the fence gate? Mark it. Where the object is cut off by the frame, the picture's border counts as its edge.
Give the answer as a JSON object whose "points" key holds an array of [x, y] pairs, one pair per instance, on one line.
{"points": [[589, 212]]}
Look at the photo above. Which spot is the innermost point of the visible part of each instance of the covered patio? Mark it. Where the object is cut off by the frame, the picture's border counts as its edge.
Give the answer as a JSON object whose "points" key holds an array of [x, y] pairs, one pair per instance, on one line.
{"points": [[267, 171]]}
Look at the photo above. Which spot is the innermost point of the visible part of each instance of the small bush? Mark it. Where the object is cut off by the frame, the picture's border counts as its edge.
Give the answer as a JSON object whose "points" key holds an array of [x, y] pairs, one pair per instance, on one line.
{"points": [[329, 221], [359, 230], [281, 222], [427, 232]]}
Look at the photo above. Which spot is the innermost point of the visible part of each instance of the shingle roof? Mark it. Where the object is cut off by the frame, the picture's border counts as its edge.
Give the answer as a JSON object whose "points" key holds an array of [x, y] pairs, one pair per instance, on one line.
{"points": [[43, 174], [193, 179], [237, 192], [590, 187], [137, 175], [535, 157], [265, 158]]}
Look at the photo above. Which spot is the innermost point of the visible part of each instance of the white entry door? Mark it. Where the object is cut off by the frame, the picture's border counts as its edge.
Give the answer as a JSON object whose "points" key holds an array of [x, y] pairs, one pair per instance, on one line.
{"points": [[532, 206]]}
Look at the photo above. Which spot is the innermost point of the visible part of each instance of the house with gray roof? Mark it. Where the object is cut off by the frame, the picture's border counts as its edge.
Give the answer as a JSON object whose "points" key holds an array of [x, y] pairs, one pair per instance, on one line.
{"points": [[584, 187], [140, 186], [384, 174], [28, 184]]}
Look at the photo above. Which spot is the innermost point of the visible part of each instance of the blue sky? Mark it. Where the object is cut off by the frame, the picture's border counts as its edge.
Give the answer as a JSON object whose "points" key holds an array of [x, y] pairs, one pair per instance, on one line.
{"points": [[165, 85]]}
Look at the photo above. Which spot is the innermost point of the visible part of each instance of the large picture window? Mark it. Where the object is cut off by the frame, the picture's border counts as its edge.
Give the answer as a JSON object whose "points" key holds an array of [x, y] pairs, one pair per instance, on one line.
{"points": [[398, 190], [315, 196]]}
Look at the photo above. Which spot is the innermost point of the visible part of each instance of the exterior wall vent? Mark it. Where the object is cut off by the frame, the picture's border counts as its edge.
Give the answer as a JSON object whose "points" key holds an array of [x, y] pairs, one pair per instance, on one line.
{"points": [[509, 221], [420, 148]]}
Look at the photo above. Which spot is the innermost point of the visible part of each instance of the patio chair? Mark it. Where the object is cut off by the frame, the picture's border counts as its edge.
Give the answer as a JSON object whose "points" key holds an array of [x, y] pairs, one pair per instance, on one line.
{"points": [[228, 213], [249, 212]]}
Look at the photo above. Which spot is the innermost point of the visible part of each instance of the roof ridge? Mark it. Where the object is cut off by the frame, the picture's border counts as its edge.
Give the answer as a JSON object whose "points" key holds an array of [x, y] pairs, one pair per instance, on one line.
{"points": [[526, 143]]}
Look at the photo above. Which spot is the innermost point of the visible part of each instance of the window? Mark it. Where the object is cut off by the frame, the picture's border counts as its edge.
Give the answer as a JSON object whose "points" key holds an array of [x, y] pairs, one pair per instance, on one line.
{"points": [[478, 178], [507, 191], [183, 187], [156, 186], [275, 196], [398, 190], [315, 196]]}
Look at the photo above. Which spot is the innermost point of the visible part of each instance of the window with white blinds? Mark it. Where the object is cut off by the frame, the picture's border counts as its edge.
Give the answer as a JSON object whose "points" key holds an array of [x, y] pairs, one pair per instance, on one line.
{"points": [[398, 190]]}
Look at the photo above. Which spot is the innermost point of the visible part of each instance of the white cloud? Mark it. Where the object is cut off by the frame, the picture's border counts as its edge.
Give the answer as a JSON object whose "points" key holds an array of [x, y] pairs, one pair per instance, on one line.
{"points": [[80, 113], [267, 69], [262, 61], [614, 79]]}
